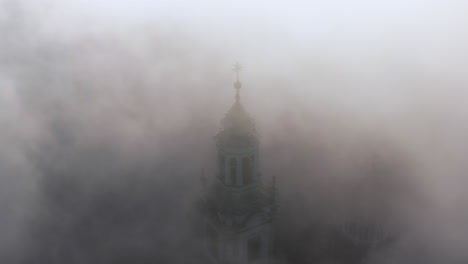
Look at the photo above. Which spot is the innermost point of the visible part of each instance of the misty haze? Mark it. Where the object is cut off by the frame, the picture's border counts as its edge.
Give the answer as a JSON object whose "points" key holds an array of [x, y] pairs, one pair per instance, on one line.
{"points": [[233, 132]]}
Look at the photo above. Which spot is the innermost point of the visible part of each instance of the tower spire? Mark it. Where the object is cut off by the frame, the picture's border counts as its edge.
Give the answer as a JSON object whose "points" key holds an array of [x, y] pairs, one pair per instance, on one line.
{"points": [[238, 209], [237, 84]]}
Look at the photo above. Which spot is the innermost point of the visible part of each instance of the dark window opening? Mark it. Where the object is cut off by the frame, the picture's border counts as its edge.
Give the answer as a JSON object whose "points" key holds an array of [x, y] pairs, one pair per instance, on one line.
{"points": [[247, 170], [233, 170], [253, 248], [222, 168], [212, 241]]}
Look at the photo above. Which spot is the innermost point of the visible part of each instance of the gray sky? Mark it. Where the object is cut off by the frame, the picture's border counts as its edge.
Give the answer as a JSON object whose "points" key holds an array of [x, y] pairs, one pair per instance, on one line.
{"points": [[362, 35], [304, 20]]}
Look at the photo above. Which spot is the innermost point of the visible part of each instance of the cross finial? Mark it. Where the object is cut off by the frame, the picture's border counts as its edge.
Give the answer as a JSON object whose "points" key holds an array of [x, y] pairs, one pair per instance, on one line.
{"points": [[237, 68]]}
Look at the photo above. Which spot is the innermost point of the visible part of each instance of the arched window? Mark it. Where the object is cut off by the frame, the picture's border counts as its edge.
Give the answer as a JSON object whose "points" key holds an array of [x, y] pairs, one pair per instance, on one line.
{"points": [[247, 170], [212, 241], [222, 169], [254, 248], [233, 170]]}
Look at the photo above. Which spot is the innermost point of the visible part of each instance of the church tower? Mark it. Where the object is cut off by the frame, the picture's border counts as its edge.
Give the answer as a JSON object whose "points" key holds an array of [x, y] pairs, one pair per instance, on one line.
{"points": [[238, 209]]}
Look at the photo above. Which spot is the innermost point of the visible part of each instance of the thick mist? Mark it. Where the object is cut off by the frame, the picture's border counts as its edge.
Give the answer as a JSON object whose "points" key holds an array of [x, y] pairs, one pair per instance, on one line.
{"points": [[107, 125]]}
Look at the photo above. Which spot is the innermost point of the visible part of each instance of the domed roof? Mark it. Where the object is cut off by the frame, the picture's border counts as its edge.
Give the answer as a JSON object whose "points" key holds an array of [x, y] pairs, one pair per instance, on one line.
{"points": [[238, 128], [238, 121]]}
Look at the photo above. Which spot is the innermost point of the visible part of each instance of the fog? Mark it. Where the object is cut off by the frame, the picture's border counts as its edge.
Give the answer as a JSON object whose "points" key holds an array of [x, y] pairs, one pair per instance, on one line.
{"points": [[108, 112]]}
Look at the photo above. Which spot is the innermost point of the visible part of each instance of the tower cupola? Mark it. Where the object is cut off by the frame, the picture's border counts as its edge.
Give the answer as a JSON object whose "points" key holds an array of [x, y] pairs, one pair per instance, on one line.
{"points": [[237, 144], [238, 209]]}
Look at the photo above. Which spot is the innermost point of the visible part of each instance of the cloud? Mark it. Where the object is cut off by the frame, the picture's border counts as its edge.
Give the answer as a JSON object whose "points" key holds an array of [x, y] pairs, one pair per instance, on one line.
{"points": [[105, 132]]}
